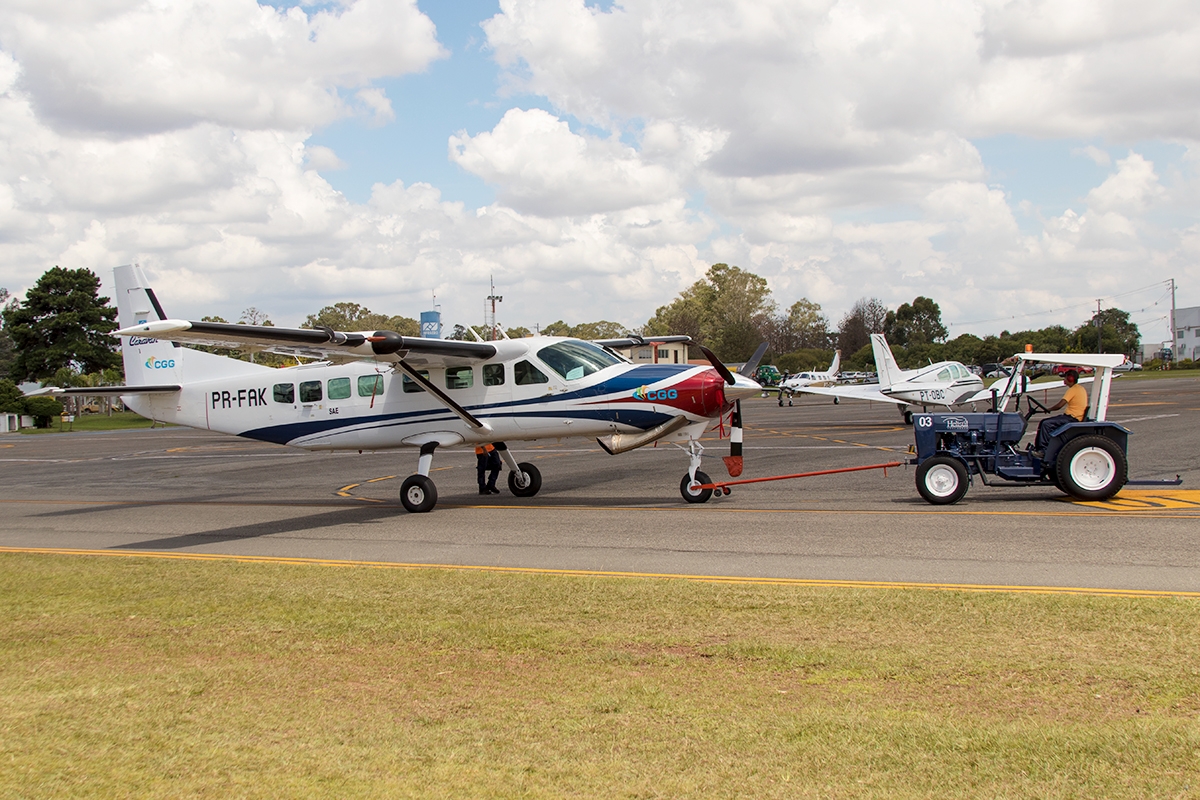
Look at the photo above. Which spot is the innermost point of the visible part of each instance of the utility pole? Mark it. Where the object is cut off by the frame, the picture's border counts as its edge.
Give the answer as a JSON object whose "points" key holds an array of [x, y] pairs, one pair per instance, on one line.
{"points": [[1174, 340], [1099, 328], [493, 298]]}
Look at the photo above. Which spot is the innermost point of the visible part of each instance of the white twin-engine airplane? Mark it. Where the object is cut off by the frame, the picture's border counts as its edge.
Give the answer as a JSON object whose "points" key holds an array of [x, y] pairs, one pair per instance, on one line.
{"points": [[946, 383], [392, 391]]}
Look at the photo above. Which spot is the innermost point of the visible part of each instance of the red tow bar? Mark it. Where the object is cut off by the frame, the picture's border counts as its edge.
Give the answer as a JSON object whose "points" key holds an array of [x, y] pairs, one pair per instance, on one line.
{"points": [[722, 486]]}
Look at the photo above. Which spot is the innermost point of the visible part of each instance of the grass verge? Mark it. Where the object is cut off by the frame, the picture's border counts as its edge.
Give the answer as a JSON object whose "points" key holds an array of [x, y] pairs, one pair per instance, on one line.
{"points": [[118, 421], [134, 676]]}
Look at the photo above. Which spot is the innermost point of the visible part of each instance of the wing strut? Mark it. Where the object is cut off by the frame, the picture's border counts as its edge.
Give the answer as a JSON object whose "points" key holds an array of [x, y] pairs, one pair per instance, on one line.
{"points": [[441, 396]]}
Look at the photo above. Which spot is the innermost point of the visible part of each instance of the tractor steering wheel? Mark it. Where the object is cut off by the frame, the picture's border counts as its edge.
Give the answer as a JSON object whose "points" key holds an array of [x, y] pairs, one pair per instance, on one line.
{"points": [[1035, 407]]}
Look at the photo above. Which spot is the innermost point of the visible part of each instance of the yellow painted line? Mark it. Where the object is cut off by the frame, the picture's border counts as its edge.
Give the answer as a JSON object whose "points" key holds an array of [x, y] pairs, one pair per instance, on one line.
{"points": [[728, 579], [1148, 500], [384, 478]]}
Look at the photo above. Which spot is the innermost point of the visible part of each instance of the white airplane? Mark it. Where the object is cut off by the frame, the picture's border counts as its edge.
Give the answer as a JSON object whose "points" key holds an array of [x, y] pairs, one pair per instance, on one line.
{"points": [[946, 383], [391, 391], [814, 378]]}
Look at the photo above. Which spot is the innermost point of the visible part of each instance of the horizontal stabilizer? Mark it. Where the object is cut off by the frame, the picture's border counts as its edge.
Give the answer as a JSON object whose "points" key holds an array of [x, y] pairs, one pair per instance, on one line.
{"points": [[624, 442], [101, 391]]}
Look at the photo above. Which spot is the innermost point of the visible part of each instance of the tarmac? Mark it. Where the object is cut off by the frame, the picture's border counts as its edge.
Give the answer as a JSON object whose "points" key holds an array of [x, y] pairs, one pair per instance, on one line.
{"points": [[179, 492]]}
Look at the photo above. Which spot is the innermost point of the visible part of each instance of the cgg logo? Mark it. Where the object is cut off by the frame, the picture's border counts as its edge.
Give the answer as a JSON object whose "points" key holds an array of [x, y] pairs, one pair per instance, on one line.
{"points": [[642, 393], [160, 363]]}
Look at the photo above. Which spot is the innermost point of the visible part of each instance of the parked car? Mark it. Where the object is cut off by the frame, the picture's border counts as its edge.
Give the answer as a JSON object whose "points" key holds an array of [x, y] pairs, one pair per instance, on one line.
{"points": [[1061, 369], [1128, 366], [998, 371]]}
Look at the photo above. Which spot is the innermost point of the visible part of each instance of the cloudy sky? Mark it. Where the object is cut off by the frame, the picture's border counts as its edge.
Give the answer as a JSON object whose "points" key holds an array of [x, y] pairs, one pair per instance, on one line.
{"points": [[1013, 160]]}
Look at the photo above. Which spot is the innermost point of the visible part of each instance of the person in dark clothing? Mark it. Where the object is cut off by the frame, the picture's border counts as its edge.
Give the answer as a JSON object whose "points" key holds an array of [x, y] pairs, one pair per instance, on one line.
{"points": [[487, 460]]}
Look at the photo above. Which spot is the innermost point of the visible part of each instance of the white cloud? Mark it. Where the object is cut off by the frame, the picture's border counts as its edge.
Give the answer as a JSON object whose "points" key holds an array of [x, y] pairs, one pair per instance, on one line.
{"points": [[136, 67]]}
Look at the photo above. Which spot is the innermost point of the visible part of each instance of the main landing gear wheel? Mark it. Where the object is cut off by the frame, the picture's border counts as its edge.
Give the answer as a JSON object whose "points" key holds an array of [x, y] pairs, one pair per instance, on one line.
{"points": [[533, 480], [907, 417], [1091, 468], [691, 491], [418, 494], [942, 480], [837, 400]]}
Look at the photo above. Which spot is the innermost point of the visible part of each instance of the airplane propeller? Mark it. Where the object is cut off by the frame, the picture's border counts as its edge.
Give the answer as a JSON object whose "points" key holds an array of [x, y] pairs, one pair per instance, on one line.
{"points": [[733, 461]]}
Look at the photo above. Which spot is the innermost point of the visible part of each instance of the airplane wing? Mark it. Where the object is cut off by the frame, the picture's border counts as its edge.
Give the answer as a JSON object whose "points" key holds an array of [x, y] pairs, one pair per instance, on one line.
{"points": [[634, 341], [1001, 386], [317, 343], [851, 392]]}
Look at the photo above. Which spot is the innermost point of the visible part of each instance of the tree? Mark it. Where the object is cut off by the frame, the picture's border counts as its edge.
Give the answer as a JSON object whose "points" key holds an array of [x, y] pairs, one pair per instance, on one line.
{"points": [[1117, 333], [867, 316], [62, 322], [724, 311], [917, 324], [11, 399], [42, 409], [353, 317], [7, 353], [603, 329]]}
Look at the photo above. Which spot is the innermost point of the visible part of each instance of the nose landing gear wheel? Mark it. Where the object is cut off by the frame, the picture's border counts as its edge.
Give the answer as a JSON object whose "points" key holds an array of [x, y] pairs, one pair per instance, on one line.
{"points": [[418, 494], [533, 481], [690, 490]]}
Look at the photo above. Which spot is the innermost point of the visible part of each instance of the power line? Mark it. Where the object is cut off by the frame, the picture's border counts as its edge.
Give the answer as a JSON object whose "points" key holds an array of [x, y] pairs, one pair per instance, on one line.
{"points": [[1086, 304]]}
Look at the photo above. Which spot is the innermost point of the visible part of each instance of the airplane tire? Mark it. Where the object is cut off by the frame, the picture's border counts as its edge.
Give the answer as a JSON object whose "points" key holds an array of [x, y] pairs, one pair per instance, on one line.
{"points": [[1091, 468], [695, 495], [837, 400], [907, 417], [533, 481], [942, 480], [418, 494]]}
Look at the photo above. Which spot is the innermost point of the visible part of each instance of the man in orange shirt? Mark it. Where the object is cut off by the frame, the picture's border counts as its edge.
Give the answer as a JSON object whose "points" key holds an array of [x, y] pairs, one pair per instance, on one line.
{"points": [[1076, 401], [487, 461]]}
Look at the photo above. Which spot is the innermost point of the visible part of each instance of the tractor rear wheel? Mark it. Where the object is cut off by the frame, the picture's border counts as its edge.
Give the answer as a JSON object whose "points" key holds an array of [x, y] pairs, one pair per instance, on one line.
{"points": [[1091, 468], [942, 480]]}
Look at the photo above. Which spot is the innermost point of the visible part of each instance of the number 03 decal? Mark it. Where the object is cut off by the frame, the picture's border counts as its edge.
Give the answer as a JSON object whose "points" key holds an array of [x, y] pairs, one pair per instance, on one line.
{"points": [[925, 421]]}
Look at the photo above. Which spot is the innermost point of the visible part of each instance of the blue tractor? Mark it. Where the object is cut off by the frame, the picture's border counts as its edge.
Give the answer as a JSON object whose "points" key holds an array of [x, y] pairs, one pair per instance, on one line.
{"points": [[1087, 459]]}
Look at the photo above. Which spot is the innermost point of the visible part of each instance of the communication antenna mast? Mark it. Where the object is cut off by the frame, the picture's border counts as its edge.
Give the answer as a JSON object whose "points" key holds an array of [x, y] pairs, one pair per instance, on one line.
{"points": [[489, 311]]}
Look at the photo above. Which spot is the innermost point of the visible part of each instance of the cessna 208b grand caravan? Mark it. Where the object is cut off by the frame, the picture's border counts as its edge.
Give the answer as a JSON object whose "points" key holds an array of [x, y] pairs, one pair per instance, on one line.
{"points": [[393, 391]]}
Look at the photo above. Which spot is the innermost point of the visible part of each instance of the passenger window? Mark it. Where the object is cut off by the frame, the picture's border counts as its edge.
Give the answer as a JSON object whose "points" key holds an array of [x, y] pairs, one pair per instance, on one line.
{"points": [[525, 374], [412, 386], [284, 393], [339, 388], [460, 377], [944, 375], [493, 374], [370, 385], [310, 392]]}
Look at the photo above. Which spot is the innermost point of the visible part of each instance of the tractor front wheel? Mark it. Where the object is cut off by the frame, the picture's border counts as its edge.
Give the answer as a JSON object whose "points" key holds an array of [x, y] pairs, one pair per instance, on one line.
{"points": [[942, 480]]}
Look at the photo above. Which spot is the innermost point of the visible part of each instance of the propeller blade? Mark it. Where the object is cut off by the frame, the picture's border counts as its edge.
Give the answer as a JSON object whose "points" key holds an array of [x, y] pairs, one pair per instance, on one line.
{"points": [[733, 461], [721, 369], [751, 365]]}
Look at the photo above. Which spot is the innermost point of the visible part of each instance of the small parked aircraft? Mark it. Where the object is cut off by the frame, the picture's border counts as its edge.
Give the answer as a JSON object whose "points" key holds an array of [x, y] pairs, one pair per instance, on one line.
{"points": [[946, 383], [377, 390], [813, 378]]}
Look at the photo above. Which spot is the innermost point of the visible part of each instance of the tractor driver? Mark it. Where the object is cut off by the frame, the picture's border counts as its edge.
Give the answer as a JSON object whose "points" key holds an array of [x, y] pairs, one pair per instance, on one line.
{"points": [[1076, 401]]}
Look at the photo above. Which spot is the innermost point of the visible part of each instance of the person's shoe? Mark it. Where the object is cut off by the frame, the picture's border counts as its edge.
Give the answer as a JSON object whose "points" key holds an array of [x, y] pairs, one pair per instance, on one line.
{"points": [[484, 491], [493, 490]]}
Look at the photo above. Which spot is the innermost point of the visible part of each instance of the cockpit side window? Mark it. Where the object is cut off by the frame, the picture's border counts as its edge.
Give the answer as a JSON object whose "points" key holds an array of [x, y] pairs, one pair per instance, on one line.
{"points": [[525, 374], [574, 359]]}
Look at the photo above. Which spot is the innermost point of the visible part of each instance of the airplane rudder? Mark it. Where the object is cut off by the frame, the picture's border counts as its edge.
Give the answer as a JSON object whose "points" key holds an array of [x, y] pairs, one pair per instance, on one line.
{"points": [[147, 360]]}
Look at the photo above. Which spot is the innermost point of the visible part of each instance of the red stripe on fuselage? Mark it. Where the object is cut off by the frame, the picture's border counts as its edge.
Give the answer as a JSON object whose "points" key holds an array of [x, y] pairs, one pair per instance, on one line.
{"points": [[702, 394]]}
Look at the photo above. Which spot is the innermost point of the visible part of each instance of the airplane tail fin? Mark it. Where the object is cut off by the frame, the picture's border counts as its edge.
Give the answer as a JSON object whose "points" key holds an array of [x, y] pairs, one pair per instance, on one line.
{"points": [[837, 362], [150, 362], [147, 361], [885, 363]]}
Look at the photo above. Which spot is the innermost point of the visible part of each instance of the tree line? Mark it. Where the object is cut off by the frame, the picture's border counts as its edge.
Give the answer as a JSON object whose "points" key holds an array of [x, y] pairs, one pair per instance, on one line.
{"points": [[60, 331]]}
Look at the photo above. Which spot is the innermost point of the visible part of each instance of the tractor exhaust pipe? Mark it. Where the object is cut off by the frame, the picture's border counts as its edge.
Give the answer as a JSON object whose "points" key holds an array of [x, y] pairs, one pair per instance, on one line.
{"points": [[624, 442]]}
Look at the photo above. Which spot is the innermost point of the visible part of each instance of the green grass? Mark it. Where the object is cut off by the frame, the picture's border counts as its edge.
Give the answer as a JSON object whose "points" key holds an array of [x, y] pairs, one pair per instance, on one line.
{"points": [[118, 421], [133, 677]]}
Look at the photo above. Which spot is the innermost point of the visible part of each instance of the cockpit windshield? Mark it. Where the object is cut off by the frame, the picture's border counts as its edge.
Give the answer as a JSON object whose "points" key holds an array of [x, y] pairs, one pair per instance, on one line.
{"points": [[575, 359]]}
